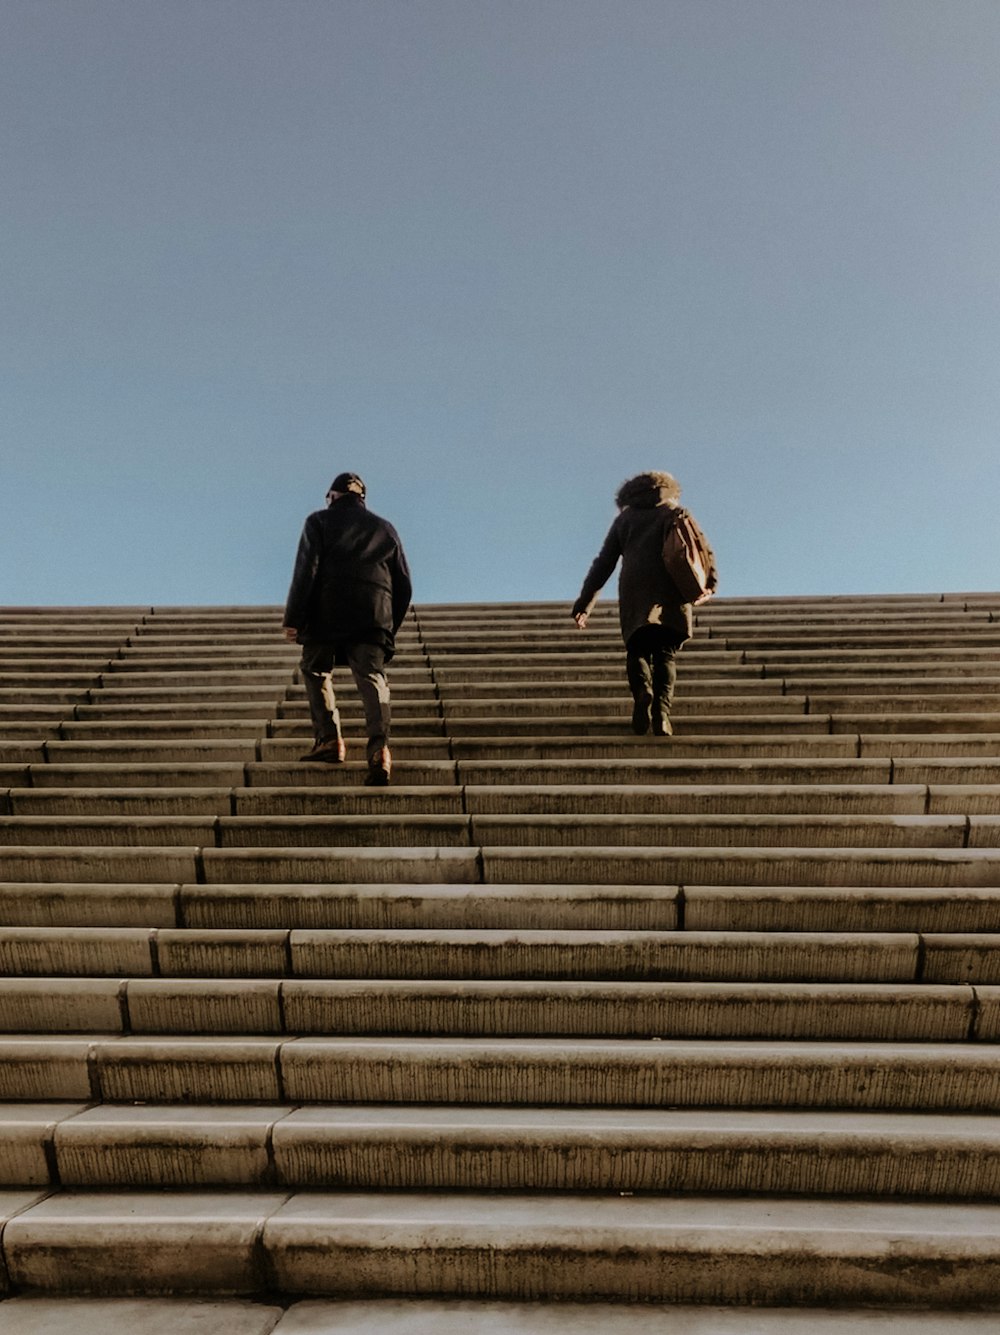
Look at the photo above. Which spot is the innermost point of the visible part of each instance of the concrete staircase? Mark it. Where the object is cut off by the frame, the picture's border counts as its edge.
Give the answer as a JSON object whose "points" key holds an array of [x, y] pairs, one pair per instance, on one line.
{"points": [[664, 1029]]}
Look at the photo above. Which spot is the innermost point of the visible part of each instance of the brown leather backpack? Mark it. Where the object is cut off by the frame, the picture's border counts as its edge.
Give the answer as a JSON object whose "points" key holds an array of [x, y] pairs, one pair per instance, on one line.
{"points": [[689, 560]]}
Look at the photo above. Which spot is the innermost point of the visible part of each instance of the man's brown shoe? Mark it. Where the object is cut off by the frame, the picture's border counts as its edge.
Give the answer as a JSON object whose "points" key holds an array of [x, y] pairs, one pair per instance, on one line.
{"points": [[379, 769], [333, 752]]}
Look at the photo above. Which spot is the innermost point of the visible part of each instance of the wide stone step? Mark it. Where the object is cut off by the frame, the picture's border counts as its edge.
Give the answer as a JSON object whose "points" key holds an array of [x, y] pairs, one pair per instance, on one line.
{"points": [[950, 771], [685, 724], [891, 684], [427, 1316], [34, 1315], [432, 745], [426, 724], [118, 802], [899, 1012], [895, 867], [372, 830], [219, 774], [699, 798], [501, 864], [197, 711], [564, 953], [576, 684], [953, 911], [754, 962], [105, 863], [185, 750], [560, 1071], [413, 1147], [766, 1250], [693, 746], [709, 830], [616, 707], [177, 801], [192, 706], [963, 660]]}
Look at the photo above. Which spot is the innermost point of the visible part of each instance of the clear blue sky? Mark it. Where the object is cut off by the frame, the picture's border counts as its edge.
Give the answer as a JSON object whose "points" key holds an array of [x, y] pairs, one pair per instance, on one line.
{"points": [[497, 255]]}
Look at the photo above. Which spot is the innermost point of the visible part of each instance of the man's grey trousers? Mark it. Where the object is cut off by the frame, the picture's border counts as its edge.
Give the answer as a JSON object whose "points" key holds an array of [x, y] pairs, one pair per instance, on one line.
{"points": [[367, 664]]}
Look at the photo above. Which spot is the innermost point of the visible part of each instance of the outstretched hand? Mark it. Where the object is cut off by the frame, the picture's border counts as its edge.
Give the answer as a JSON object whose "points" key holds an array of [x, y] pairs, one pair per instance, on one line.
{"points": [[581, 619]]}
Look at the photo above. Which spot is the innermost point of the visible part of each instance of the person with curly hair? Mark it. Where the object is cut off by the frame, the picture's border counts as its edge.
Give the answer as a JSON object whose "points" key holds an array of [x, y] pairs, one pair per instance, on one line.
{"points": [[655, 619]]}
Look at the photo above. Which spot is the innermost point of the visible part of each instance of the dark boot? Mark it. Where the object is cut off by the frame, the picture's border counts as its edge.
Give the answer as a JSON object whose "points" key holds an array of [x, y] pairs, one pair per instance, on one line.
{"points": [[640, 680], [664, 672]]}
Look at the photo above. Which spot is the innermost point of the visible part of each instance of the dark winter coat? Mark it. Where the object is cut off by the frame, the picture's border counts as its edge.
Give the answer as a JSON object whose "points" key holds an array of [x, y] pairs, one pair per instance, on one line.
{"points": [[646, 594], [351, 583]]}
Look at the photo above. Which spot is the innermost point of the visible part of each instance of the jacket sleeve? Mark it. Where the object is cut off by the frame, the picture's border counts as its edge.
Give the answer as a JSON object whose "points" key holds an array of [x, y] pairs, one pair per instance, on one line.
{"points": [[304, 577], [600, 572], [402, 587]]}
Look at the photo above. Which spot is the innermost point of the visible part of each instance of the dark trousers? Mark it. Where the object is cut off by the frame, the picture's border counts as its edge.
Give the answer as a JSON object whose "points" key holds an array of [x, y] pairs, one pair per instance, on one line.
{"points": [[650, 667], [367, 665]]}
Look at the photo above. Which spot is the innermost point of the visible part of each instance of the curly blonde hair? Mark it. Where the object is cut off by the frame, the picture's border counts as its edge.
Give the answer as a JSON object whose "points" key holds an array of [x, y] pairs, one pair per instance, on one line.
{"points": [[642, 487]]}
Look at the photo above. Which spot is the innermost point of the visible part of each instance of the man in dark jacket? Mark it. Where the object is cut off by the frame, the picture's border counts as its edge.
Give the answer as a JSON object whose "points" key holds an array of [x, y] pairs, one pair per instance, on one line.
{"points": [[349, 594], [655, 620]]}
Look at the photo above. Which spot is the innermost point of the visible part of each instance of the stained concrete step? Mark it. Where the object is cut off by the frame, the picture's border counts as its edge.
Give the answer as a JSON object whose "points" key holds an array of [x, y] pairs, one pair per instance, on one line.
{"points": [[511, 672], [169, 1316], [424, 723], [570, 830], [616, 725], [430, 746], [275, 706], [980, 635], [694, 798], [707, 747], [149, 774], [657, 1248], [543, 710], [497, 864], [898, 1012], [691, 746], [572, 684], [974, 771], [563, 953], [118, 802], [377, 1147], [871, 684], [662, 767], [963, 659], [187, 751], [666, 1010], [954, 911], [230, 731], [426, 1316], [228, 774], [176, 801], [107, 831], [686, 724], [705, 830], [695, 866], [179, 864], [563, 1071], [919, 722], [662, 956]]}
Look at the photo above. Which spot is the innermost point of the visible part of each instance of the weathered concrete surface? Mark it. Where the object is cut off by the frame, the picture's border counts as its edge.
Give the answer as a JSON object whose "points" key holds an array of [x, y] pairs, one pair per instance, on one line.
{"points": [[758, 957]]}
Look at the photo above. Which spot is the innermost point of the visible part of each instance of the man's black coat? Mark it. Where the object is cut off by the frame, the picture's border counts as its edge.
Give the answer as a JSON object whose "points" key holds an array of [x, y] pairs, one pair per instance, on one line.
{"points": [[351, 583]]}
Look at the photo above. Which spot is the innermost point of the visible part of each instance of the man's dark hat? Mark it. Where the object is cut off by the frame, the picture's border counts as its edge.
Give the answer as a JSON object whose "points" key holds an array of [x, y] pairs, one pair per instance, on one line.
{"points": [[348, 482]]}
